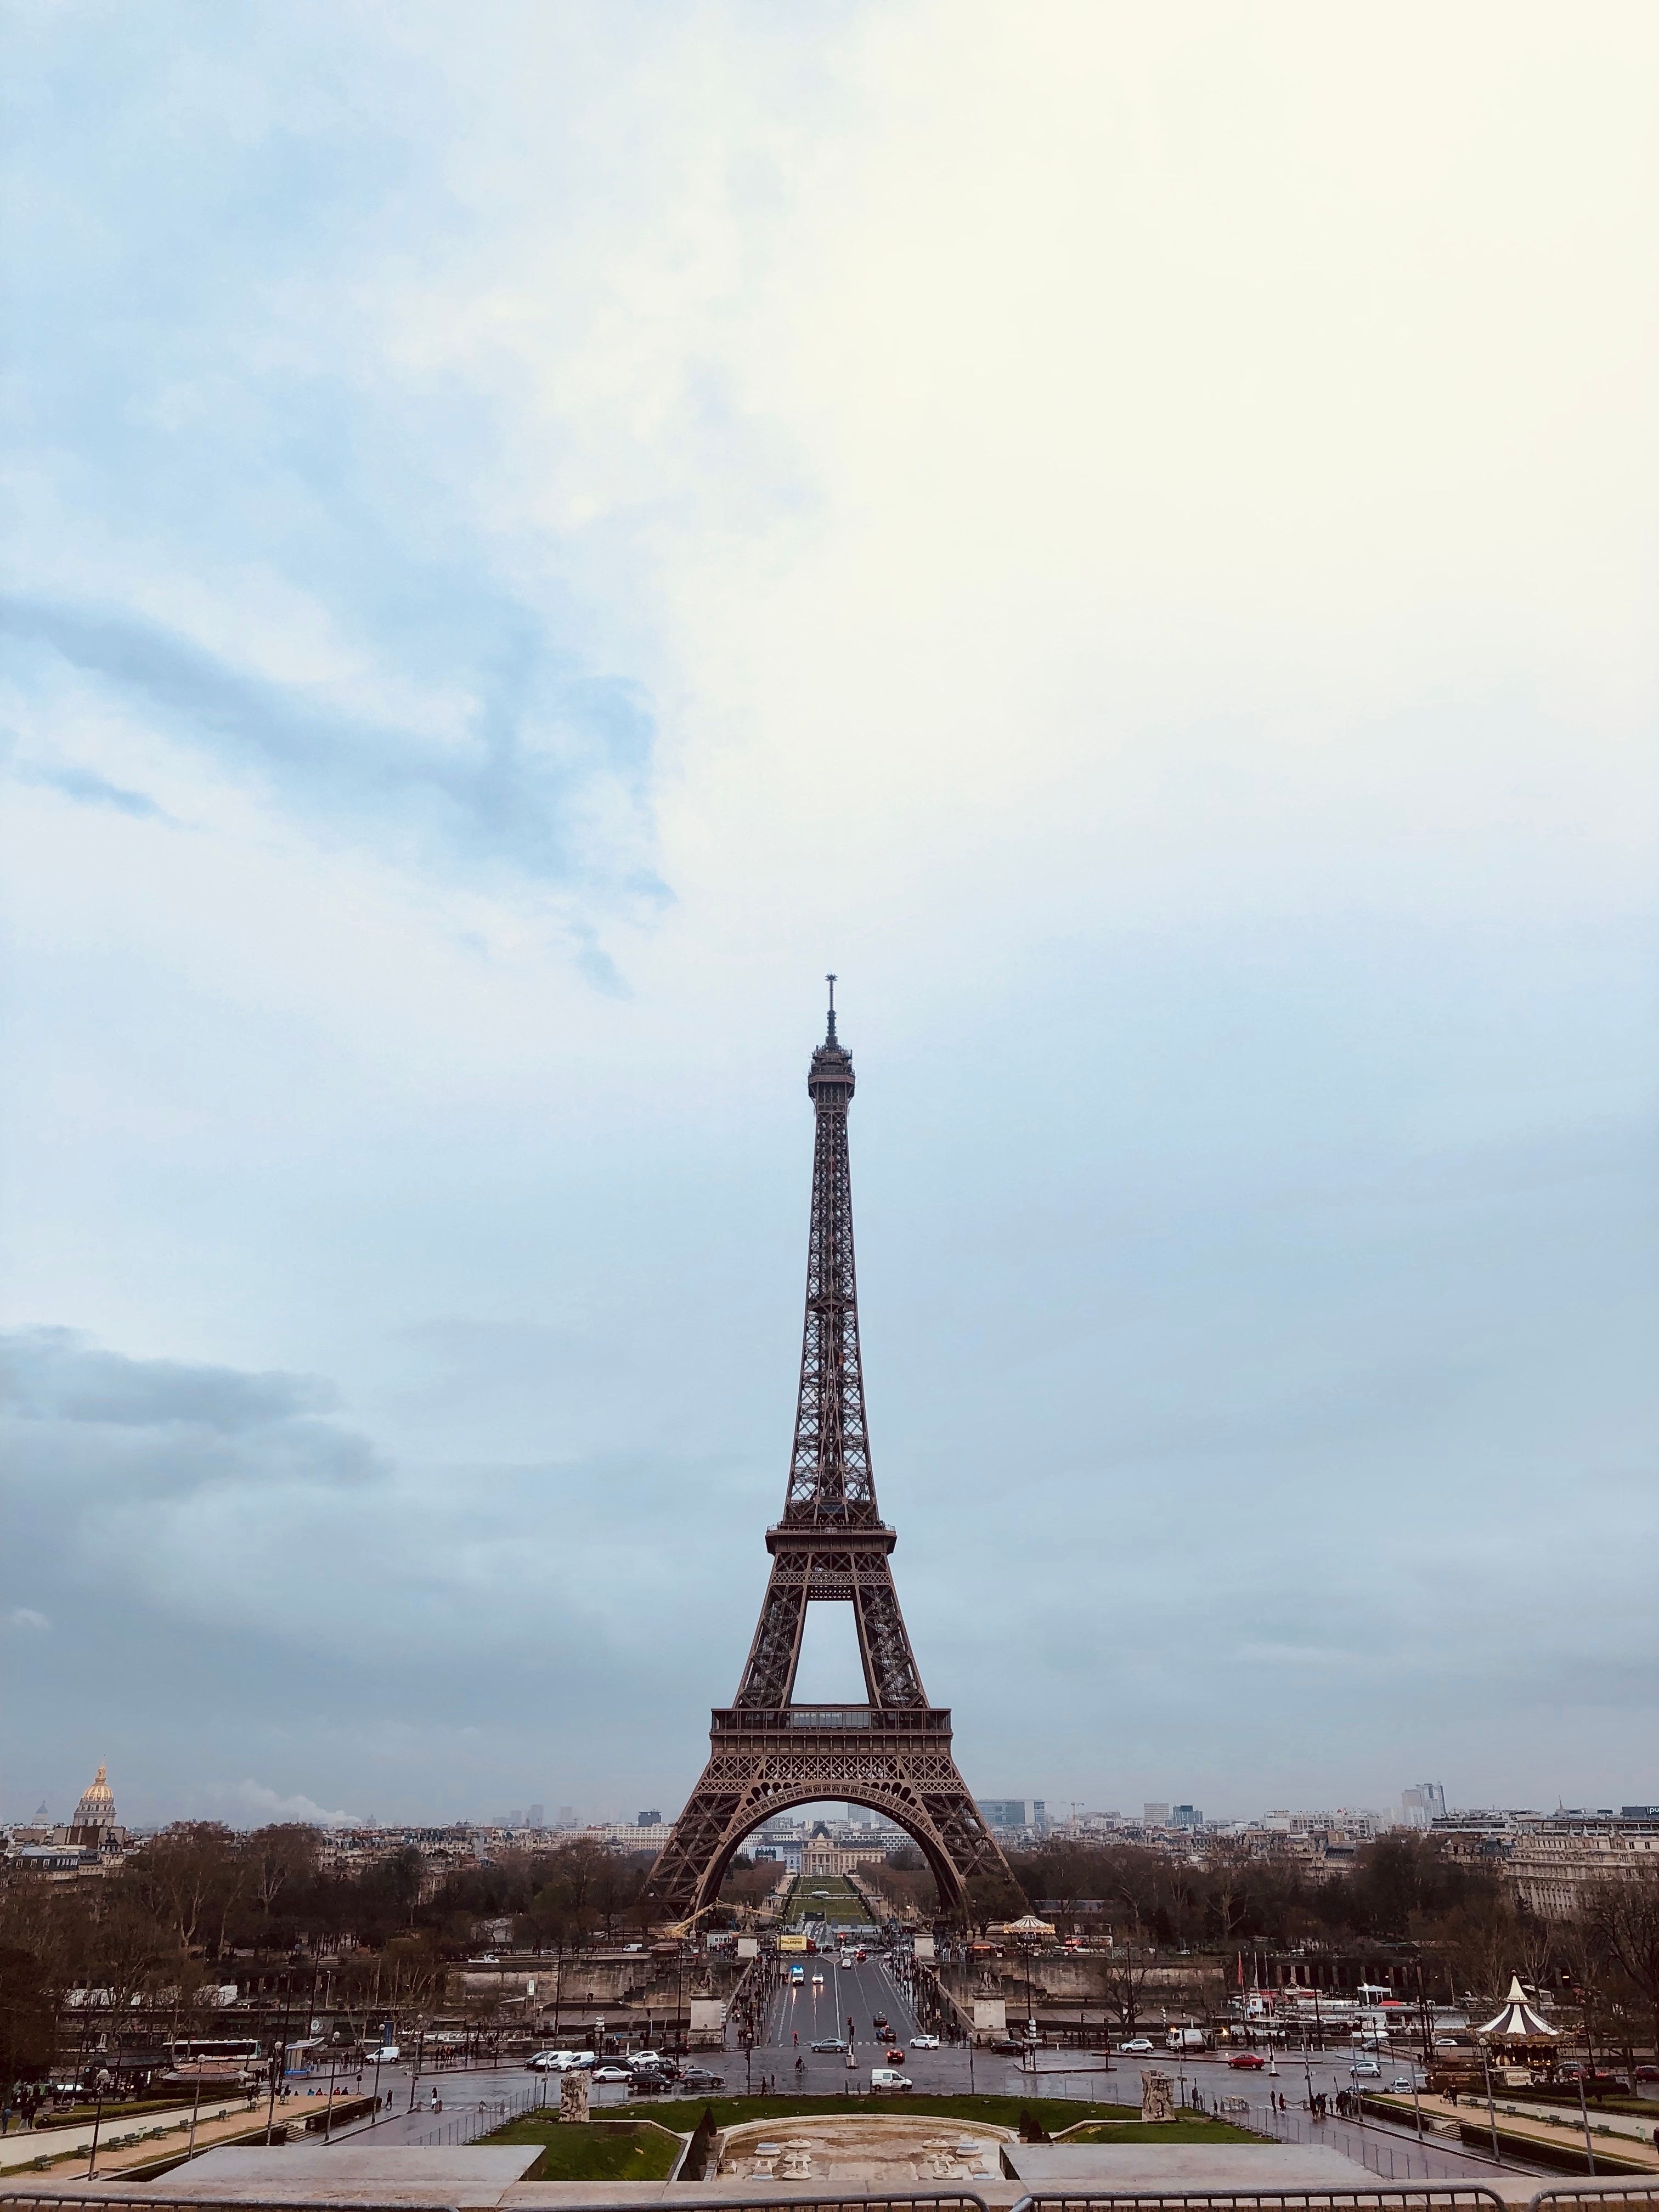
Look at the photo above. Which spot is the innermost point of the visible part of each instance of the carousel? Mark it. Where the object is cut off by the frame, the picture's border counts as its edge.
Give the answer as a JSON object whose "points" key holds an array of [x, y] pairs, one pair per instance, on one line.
{"points": [[1518, 2035]]}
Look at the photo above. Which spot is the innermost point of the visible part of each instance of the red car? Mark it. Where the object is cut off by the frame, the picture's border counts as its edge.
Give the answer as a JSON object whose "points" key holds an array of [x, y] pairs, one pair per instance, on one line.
{"points": [[1248, 2058], [896, 2057]]}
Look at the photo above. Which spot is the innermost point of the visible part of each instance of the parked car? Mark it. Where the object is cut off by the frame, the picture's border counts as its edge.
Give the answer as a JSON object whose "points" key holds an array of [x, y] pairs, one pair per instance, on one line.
{"points": [[1252, 2061], [830, 2043], [888, 2077], [558, 2061], [924, 2043], [649, 2081], [1647, 2073], [612, 2070], [1141, 2045], [649, 2058]]}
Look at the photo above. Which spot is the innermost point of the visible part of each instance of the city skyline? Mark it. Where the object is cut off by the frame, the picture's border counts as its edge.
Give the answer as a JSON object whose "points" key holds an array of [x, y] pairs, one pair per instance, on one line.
{"points": [[529, 541]]}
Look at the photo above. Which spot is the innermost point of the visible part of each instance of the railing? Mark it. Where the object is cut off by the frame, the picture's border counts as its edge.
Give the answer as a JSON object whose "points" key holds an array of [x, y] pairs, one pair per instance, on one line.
{"points": [[1439, 2196], [485, 2116], [873, 1720], [157, 2200], [1626, 2189], [969, 2200], [1364, 2141]]}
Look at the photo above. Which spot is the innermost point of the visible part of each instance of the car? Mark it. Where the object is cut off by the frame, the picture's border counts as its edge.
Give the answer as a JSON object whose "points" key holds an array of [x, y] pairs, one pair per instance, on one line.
{"points": [[924, 2043], [699, 2077], [1009, 2049], [889, 2077], [650, 2058], [387, 2054], [1141, 2045], [552, 2062], [1647, 2073], [612, 2070], [1365, 2070], [649, 2081], [1252, 2061], [1402, 2083], [817, 1981], [896, 2055], [830, 2043]]}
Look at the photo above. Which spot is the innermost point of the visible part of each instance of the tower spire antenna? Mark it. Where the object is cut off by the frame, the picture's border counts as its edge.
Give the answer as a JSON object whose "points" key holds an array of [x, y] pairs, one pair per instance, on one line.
{"points": [[829, 1034]]}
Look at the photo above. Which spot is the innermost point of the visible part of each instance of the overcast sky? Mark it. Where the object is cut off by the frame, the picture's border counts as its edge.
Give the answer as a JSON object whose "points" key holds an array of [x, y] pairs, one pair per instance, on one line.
{"points": [[1130, 533]]}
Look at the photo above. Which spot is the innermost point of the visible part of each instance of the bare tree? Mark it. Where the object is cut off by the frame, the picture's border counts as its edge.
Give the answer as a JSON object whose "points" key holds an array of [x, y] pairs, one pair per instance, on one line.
{"points": [[1123, 1971], [186, 1878], [1625, 1916]]}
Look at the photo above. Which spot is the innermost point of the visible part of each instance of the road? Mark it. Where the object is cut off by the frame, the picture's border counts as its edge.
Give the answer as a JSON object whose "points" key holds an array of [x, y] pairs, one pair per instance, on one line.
{"points": [[797, 2015]]}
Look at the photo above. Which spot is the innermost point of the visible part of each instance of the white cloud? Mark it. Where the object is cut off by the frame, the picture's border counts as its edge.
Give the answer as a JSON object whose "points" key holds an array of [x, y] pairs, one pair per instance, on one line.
{"points": [[1128, 535]]}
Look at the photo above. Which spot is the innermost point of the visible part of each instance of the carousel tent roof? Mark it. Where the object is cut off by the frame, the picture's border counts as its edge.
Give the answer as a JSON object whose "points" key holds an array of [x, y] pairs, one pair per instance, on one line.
{"points": [[1517, 2022]]}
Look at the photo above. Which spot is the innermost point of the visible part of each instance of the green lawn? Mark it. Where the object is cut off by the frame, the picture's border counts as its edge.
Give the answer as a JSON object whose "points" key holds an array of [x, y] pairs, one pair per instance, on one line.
{"points": [[1054, 2112], [843, 1906], [608, 2150], [1190, 2131]]}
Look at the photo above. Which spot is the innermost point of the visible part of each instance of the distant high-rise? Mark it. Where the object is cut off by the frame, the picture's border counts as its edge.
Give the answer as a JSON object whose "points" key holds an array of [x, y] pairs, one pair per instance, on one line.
{"points": [[1004, 1811], [652, 1818], [1186, 1816], [1155, 1816], [1424, 1805], [538, 1816], [567, 1816]]}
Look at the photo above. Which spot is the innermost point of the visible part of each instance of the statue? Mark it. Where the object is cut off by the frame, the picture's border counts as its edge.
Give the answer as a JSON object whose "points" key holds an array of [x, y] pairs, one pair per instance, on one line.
{"points": [[1157, 2098], [573, 2096]]}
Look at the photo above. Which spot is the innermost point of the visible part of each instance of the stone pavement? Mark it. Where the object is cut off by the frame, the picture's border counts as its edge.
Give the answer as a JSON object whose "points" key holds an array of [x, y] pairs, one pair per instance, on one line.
{"points": [[1632, 2138]]}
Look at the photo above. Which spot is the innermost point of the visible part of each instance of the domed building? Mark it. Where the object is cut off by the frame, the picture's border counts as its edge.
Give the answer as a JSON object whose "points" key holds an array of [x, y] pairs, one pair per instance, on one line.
{"points": [[94, 1826]]}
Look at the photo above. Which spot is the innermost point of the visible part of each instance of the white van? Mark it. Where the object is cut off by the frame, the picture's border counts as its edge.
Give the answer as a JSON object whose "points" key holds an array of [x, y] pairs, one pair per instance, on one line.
{"points": [[889, 2077]]}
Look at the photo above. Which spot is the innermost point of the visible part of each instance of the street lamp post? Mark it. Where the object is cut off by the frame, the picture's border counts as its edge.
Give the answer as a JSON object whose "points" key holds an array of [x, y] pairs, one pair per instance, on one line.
{"points": [[97, 2117], [1492, 2109]]}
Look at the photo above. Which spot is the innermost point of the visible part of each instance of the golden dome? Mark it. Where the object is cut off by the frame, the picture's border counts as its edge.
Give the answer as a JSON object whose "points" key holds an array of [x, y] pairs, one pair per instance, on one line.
{"points": [[97, 1806]]}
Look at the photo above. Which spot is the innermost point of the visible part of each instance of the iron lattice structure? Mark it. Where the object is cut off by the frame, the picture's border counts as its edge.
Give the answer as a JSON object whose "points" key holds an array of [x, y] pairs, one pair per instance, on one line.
{"points": [[766, 1752]]}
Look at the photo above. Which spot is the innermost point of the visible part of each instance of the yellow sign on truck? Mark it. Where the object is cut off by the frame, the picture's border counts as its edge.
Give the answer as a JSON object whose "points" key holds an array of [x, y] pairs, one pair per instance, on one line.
{"points": [[792, 1943]]}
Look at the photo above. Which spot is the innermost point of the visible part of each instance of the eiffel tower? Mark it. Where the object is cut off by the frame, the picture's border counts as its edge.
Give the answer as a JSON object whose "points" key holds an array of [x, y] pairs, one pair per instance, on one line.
{"points": [[767, 1754]]}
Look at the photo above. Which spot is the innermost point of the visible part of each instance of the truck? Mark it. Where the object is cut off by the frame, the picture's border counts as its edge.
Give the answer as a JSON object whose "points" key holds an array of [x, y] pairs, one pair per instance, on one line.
{"points": [[1187, 2038]]}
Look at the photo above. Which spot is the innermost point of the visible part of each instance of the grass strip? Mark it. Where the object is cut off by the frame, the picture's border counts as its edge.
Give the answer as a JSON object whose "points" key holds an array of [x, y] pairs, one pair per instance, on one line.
{"points": [[594, 2150]]}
